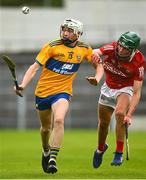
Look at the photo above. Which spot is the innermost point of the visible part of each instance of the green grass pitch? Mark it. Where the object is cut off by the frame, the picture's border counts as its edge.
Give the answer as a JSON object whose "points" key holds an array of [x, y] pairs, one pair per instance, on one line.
{"points": [[20, 156]]}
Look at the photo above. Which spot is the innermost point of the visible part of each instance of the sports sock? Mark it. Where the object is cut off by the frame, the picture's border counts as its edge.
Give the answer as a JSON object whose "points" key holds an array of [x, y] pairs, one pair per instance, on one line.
{"points": [[46, 150], [101, 147], [119, 146], [53, 153]]}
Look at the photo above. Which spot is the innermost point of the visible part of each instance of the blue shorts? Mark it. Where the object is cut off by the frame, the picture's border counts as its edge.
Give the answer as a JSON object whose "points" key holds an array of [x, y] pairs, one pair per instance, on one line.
{"points": [[46, 103]]}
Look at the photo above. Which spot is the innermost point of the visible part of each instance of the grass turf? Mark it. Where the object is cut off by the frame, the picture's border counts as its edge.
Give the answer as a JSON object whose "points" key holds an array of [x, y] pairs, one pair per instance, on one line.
{"points": [[20, 156]]}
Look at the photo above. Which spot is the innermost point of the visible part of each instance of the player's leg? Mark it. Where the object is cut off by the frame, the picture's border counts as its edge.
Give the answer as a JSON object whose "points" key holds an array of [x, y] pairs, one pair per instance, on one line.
{"points": [[104, 118], [59, 109], [45, 130], [123, 101]]}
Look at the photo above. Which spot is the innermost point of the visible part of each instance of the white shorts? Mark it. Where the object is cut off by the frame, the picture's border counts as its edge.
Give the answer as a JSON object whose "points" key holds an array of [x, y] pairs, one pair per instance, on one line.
{"points": [[108, 96]]}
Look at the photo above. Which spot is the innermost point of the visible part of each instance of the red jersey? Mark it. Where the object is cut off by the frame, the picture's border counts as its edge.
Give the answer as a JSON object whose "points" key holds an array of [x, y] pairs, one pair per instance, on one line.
{"points": [[120, 73]]}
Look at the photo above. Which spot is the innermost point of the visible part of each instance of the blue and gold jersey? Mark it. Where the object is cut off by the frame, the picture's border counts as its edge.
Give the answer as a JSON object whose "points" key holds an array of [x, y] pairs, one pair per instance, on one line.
{"points": [[60, 64]]}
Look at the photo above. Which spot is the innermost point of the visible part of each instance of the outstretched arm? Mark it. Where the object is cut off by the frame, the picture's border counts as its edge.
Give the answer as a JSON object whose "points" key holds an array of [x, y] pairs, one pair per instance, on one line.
{"points": [[134, 101], [97, 62], [30, 73], [96, 56]]}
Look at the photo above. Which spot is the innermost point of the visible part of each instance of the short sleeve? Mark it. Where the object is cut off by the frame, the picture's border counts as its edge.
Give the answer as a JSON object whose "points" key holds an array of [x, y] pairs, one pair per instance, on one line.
{"points": [[88, 54], [44, 54], [106, 49]]}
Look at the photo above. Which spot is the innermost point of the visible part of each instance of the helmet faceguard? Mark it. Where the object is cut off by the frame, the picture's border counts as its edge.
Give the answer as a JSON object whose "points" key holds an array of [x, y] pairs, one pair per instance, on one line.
{"points": [[75, 25], [130, 41]]}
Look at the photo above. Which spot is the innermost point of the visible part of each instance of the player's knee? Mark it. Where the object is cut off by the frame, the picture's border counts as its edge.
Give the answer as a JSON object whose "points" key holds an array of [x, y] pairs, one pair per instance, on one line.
{"points": [[103, 124], [58, 122], [45, 130], [119, 114]]}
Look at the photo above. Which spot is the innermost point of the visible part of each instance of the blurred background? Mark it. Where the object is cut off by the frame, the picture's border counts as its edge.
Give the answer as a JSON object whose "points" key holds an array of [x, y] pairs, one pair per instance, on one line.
{"points": [[22, 36]]}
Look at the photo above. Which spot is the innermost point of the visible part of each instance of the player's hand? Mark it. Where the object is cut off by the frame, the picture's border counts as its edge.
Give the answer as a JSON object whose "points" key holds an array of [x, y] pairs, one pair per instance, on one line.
{"points": [[96, 58], [92, 80], [19, 90], [127, 120]]}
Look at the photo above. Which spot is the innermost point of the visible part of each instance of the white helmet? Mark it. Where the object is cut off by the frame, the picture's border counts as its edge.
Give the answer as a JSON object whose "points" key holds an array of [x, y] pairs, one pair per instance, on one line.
{"points": [[73, 24]]}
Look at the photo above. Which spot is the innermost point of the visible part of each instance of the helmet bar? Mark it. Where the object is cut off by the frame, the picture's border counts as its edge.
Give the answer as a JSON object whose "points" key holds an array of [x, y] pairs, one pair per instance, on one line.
{"points": [[127, 43]]}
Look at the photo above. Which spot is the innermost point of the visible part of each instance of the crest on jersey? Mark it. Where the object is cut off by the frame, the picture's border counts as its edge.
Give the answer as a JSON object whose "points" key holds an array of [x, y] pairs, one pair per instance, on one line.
{"points": [[78, 57]]}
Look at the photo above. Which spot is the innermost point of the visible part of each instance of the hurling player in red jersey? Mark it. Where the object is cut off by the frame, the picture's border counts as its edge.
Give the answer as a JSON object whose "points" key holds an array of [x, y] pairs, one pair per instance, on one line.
{"points": [[123, 66]]}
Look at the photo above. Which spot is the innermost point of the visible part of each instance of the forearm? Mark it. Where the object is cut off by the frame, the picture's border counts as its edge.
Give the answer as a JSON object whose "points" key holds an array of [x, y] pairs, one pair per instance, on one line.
{"points": [[134, 101], [133, 104], [95, 58], [99, 72], [30, 73]]}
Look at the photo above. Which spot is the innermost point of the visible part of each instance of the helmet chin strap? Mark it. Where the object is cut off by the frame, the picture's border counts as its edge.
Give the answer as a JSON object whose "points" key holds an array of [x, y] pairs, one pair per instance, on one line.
{"points": [[68, 41], [133, 53]]}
